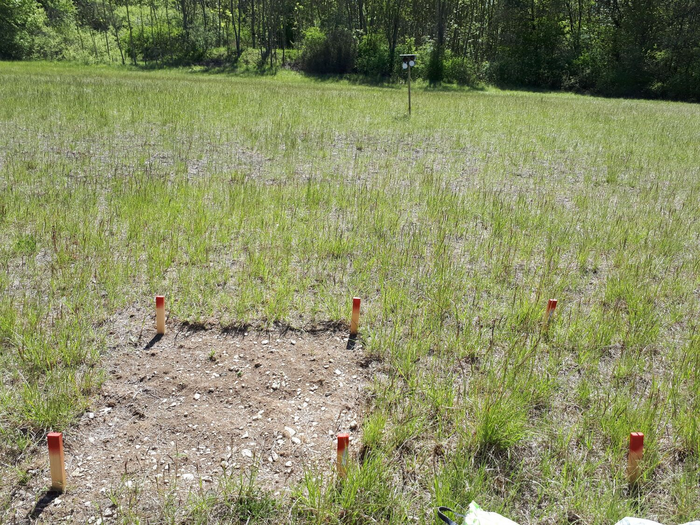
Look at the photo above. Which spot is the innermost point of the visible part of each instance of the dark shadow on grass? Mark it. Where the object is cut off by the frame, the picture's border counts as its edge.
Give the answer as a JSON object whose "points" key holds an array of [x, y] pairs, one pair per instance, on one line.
{"points": [[352, 341], [43, 502], [153, 341], [636, 495]]}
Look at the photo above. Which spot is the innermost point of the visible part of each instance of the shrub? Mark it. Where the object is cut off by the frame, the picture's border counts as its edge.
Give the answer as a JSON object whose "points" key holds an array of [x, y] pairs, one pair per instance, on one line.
{"points": [[435, 72], [373, 56], [334, 53], [461, 71], [20, 22]]}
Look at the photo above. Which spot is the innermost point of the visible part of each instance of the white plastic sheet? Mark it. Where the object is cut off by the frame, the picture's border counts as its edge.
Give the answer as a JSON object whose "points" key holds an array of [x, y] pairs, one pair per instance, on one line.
{"points": [[478, 516], [640, 521]]}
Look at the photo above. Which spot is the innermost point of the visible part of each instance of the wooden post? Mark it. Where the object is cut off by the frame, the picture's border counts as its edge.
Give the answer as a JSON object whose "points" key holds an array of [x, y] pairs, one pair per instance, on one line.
{"points": [[635, 456], [409, 88], [355, 320], [342, 459], [551, 306], [56, 461], [160, 314]]}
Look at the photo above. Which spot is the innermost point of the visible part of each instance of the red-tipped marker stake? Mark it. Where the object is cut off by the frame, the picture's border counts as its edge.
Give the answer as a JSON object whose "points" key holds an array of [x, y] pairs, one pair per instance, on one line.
{"points": [[551, 306], [56, 461], [634, 471], [355, 321], [160, 314], [342, 460]]}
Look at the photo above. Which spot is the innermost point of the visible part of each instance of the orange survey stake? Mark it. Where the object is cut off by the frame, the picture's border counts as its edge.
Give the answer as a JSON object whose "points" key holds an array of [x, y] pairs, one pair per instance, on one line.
{"points": [[634, 469], [551, 306], [342, 459], [355, 321], [56, 461], [160, 314]]}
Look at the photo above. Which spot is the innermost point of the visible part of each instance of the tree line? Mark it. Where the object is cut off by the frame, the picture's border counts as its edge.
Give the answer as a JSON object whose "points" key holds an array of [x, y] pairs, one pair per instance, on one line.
{"points": [[645, 48]]}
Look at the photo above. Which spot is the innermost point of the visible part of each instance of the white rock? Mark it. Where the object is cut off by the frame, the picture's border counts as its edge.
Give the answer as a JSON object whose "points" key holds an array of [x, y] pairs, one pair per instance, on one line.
{"points": [[265, 342], [353, 425], [293, 342], [289, 432], [247, 453], [288, 464], [188, 477], [296, 441], [196, 397], [338, 372]]}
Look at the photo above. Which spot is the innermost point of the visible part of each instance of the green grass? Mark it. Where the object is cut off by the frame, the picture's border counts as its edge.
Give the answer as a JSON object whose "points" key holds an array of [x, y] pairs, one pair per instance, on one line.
{"points": [[275, 200]]}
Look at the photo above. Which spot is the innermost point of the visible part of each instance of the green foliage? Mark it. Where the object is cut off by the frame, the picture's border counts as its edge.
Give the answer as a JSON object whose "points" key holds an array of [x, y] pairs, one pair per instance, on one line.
{"points": [[621, 49], [373, 56], [460, 70], [435, 70], [332, 53], [21, 23]]}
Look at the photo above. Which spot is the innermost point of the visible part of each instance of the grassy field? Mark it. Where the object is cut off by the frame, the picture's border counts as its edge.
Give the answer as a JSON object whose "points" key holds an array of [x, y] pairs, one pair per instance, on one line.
{"points": [[275, 200]]}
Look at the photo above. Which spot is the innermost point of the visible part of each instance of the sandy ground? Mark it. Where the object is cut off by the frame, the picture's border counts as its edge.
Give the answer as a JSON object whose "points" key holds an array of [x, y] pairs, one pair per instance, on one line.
{"points": [[185, 408]]}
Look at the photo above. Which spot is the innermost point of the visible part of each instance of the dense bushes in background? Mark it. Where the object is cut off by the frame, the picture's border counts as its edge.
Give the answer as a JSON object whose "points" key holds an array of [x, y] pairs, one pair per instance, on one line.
{"points": [[373, 58], [621, 47], [332, 53], [21, 25]]}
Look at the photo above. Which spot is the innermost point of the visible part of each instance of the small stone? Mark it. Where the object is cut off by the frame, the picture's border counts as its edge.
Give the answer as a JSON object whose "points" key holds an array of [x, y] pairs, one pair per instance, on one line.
{"points": [[296, 441], [247, 453], [293, 342], [265, 342], [289, 432], [288, 464], [338, 372], [188, 477], [353, 425], [196, 397], [91, 415], [107, 512]]}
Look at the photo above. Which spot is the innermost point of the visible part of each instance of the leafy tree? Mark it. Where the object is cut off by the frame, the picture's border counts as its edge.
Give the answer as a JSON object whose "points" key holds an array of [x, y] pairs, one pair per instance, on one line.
{"points": [[20, 22]]}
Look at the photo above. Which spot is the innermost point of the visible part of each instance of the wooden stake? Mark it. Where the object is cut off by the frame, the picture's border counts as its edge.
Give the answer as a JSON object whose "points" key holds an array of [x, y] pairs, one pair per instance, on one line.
{"points": [[634, 471], [409, 89], [56, 461], [160, 314], [551, 306], [342, 459], [355, 321]]}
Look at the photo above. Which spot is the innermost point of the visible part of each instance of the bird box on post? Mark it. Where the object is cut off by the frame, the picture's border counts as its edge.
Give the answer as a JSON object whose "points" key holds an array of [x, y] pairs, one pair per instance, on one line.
{"points": [[409, 60]]}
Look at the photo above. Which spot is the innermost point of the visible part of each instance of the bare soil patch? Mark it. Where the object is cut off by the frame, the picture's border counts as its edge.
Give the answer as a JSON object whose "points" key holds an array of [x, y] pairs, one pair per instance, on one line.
{"points": [[183, 409]]}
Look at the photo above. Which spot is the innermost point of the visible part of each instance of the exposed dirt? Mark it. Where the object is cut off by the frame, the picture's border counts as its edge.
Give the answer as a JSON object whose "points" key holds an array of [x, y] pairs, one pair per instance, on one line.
{"points": [[179, 410]]}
